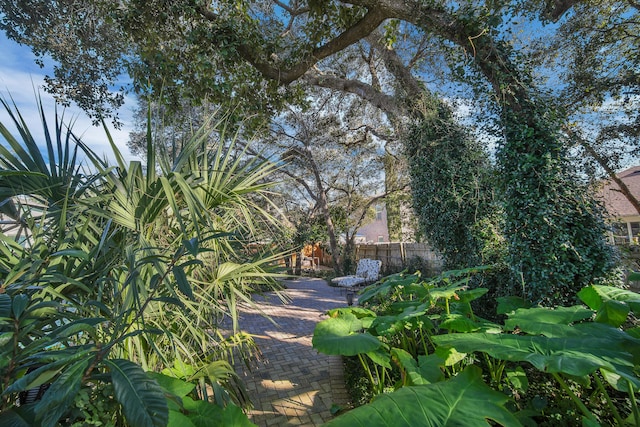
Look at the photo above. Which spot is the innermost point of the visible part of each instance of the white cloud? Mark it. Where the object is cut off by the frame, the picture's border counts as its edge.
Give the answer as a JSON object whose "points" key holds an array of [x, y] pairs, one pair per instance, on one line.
{"points": [[21, 82]]}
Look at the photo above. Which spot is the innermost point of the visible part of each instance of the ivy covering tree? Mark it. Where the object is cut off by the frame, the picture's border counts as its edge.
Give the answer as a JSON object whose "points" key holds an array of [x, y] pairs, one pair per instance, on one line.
{"points": [[554, 227], [451, 181]]}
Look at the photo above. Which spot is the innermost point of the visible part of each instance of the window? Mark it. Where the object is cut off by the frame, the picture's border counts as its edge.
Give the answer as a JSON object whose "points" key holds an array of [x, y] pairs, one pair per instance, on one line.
{"points": [[620, 233], [380, 239], [635, 231], [378, 212]]}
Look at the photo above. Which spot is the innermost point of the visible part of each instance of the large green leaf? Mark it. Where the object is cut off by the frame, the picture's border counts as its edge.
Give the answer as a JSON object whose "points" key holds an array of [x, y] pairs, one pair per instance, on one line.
{"points": [[458, 323], [594, 295], [547, 321], [380, 357], [37, 377], [172, 385], [510, 303], [386, 285], [5, 306], [19, 305], [449, 291], [47, 365], [12, 418], [582, 353], [426, 370], [359, 312], [183, 283], [613, 304], [60, 394], [462, 401], [142, 399], [472, 294], [518, 378], [5, 337], [385, 325], [178, 419], [343, 336], [613, 313]]}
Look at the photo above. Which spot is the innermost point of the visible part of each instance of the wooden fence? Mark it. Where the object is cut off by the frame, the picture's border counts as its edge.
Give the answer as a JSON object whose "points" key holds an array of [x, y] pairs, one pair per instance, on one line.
{"points": [[397, 256]]}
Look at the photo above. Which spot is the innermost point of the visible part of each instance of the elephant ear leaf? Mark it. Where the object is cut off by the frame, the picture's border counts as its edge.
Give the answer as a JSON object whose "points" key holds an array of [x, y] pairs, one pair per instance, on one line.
{"points": [[342, 336], [207, 414], [613, 304], [143, 401], [426, 370], [463, 400], [546, 321]]}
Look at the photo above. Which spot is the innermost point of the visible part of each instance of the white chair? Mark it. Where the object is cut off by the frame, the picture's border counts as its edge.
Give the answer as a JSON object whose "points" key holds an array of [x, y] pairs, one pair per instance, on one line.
{"points": [[367, 271], [309, 262]]}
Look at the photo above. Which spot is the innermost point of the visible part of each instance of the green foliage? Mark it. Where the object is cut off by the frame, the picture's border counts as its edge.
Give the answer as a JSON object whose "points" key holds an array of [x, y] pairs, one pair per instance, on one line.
{"points": [[451, 183], [464, 400], [549, 231], [555, 231], [410, 313], [141, 397], [338, 336], [125, 270], [613, 305], [433, 341]]}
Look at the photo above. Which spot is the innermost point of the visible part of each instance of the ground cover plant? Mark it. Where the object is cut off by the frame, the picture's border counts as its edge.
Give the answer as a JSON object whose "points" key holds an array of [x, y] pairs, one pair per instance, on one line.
{"points": [[113, 285], [430, 360]]}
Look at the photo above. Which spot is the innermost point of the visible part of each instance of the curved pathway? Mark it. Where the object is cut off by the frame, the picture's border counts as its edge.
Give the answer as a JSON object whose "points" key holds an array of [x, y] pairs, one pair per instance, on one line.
{"points": [[295, 385]]}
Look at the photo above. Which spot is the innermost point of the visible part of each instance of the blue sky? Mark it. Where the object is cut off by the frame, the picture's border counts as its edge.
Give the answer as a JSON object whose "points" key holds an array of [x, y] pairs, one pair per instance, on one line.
{"points": [[22, 80]]}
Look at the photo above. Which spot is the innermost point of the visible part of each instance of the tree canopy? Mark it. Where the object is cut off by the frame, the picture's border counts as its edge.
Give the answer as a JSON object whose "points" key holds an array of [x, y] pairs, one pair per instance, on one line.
{"points": [[259, 56]]}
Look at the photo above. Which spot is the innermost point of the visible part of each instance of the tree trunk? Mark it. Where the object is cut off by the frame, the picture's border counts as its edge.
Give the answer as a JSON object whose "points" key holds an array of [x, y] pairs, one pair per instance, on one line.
{"points": [[392, 202], [556, 241], [349, 254], [323, 205], [331, 231]]}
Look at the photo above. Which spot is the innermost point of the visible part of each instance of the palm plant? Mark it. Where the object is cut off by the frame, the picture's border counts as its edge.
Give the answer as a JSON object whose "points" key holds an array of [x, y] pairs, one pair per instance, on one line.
{"points": [[138, 262]]}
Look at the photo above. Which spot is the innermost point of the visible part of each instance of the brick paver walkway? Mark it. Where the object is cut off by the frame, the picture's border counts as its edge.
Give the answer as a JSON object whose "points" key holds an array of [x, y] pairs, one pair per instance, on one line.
{"points": [[296, 385]]}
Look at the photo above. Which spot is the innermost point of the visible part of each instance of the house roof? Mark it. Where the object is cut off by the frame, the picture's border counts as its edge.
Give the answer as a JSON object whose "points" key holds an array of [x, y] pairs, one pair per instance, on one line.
{"points": [[615, 202]]}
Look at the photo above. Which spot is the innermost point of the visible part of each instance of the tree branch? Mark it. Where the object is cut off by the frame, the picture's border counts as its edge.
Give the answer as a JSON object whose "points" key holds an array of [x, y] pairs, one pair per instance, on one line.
{"points": [[294, 177], [400, 71], [556, 8], [369, 59], [369, 22], [603, 163], [292, 11], [380, 100]]}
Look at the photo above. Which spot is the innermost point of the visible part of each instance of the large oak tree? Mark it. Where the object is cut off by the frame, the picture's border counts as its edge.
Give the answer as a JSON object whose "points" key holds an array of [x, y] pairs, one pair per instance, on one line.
{"points": [[259, 55]]}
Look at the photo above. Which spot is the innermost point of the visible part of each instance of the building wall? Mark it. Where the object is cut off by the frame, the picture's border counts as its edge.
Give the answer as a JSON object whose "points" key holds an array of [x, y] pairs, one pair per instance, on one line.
{"points": [[376, 231], [623, 216]]}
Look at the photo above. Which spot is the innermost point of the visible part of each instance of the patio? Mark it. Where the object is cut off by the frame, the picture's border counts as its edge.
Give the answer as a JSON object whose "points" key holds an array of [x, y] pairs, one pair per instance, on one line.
{"points": [[295, 385]]}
